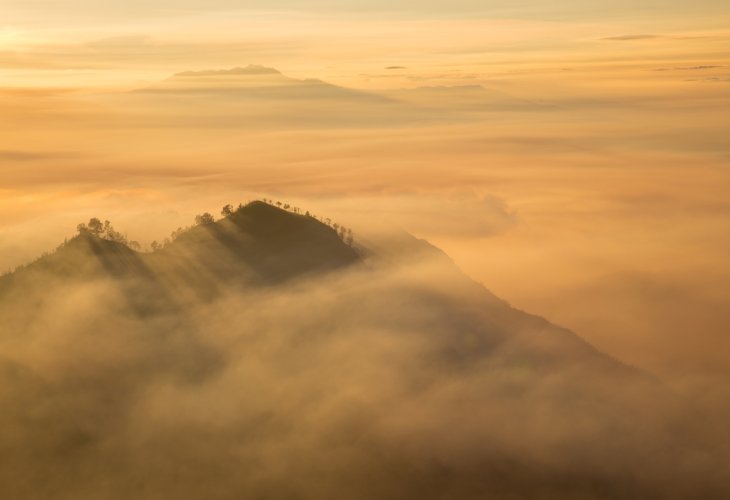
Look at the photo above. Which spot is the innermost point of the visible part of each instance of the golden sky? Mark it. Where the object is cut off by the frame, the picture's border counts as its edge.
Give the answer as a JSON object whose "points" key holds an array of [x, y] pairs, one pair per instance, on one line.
{"points": [[571, 156]]}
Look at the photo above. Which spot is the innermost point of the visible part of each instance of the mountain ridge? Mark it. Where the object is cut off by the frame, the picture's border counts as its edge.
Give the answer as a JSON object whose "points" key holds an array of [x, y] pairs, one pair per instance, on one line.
{"points": [[263, 245], [380, 374], [255, 82], [251, 69], [257, 234]]}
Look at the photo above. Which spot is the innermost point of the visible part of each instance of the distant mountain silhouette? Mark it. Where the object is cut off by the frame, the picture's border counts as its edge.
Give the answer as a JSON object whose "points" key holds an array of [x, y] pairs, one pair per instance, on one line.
{"points": [[251, 69], [264, 97], [255, 96], [255, 82]]}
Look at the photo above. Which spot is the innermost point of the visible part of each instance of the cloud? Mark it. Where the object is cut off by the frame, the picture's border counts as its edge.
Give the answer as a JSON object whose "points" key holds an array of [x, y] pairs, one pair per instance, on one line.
{"points": [[138, 53], [399, 379], [27, 156], [543, 211], [125, 41], [690, 68], [456, 215], [501, 9], [623, 38]]}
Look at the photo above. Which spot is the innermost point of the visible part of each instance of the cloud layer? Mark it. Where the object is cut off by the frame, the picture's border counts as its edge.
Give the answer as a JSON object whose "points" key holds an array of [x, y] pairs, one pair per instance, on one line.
{"points": [[397, 379]]}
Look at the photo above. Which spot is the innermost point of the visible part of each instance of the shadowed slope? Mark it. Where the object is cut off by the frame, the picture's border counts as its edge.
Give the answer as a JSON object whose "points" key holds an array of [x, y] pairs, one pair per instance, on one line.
{"points": [[82, 257], [259, 243]]}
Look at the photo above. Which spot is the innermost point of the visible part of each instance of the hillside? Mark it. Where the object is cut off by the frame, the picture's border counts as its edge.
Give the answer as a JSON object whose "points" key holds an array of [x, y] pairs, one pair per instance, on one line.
{"points": [[259, 244], [260, 356], [262, 242]]}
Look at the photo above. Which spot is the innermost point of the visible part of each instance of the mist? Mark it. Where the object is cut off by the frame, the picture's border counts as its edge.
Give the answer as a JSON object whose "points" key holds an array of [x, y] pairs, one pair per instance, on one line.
{"points": [[538, 214], [394, 377], [570, 159]]}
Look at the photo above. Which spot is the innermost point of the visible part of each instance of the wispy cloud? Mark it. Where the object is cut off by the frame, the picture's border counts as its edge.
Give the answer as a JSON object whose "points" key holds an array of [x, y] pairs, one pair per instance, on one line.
{"points": [[690, 68], [20, 156], [622, 38]]}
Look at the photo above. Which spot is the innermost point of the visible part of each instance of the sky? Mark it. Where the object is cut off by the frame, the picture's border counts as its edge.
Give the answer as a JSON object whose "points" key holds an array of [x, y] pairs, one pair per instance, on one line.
{"points": [[572, 157]]}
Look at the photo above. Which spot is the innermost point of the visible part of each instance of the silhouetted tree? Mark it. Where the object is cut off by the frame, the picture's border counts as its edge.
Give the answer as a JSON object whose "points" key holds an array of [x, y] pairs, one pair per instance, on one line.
{"points": [[227, 211], [103, 230], [109, 233], [155, 246], [176, 233], [95, 226], [204, 218], [134, 245]]}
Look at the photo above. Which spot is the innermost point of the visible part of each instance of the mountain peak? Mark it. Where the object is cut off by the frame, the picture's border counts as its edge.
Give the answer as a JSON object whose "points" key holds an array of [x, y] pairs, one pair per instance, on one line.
{"points": [[257, 244], [251, 69], [267, 243]]}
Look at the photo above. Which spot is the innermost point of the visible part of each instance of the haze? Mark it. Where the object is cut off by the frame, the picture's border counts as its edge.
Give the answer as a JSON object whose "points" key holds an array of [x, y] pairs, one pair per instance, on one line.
{"points": [[571, 157]]}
